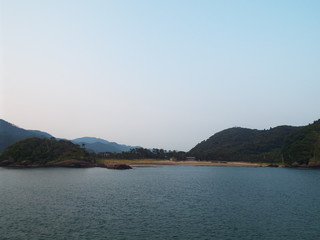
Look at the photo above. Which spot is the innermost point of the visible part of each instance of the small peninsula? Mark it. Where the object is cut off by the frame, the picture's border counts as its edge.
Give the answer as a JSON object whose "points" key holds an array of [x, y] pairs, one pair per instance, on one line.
{"points": [[50, 152]]}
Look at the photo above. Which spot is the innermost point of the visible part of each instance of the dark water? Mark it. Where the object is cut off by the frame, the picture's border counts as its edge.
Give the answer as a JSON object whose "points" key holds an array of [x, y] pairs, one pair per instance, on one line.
{"points": [[169, 202]]}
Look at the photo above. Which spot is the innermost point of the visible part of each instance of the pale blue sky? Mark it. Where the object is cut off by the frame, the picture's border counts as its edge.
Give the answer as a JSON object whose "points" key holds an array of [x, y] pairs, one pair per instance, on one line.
{"points": [[165, 74]]}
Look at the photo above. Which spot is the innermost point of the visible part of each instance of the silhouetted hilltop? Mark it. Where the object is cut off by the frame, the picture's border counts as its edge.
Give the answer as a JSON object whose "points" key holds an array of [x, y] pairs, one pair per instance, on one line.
{"points": [[10, 134]]}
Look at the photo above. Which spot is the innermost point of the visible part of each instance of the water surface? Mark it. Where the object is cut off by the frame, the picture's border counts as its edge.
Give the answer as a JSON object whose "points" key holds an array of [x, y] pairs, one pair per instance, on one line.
{"points": [[166, 202]]}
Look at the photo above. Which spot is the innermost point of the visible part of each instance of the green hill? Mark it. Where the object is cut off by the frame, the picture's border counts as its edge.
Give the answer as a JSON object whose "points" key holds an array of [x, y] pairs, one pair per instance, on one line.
{"points": [[293, 146], [40, 151], [303, 147], [242, 144]]}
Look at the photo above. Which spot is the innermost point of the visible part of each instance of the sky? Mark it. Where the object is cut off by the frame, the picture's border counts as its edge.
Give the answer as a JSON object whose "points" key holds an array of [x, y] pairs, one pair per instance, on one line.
{"points": [[158, 73]]}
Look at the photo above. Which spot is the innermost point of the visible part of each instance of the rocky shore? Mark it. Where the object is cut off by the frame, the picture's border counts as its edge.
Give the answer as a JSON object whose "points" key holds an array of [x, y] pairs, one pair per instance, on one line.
{"points": [[66, 163]]}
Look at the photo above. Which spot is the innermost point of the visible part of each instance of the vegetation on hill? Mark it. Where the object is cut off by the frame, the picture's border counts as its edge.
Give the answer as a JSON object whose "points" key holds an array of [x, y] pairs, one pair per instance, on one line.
{"points": [[285, 144], [242, 144], [42, 151], [143, 153], [10, 134], [303, 147], [293, 146]]}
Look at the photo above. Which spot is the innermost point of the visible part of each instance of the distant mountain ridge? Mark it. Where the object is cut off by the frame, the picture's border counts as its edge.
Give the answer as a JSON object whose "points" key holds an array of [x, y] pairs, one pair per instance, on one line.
{"points": [[47, 135], [294, 146], [100, 145], [90, 140], [10, 134]]}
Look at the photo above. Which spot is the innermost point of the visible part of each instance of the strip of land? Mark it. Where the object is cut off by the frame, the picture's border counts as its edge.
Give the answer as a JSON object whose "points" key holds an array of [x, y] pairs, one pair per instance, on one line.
{"points": [[154, 162]]}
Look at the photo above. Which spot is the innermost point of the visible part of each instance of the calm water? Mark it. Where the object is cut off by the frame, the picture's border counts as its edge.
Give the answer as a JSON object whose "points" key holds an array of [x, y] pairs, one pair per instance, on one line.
{"points": [[169, 202]]}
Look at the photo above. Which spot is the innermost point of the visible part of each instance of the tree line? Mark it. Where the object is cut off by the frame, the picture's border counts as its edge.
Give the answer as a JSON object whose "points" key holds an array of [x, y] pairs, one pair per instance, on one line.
{"points": [[143, 153]]}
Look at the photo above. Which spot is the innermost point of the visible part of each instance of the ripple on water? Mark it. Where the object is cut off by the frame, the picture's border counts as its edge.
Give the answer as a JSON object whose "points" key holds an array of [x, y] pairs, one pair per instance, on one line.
{"points": [[169, 202]]}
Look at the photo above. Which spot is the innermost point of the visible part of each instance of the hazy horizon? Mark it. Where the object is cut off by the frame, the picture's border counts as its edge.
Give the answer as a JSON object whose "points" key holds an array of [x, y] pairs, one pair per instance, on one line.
{"points": [[158, 74]]}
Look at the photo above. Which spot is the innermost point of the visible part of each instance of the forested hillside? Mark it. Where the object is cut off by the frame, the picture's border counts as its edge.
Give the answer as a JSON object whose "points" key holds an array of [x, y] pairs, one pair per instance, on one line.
{"points": [[285, 144], [303, 147], [242, 144]]}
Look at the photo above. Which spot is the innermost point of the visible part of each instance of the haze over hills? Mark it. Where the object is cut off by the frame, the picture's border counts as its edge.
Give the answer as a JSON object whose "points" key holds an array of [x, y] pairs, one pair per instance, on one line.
{"points": [[10, 134], [100, 145]]}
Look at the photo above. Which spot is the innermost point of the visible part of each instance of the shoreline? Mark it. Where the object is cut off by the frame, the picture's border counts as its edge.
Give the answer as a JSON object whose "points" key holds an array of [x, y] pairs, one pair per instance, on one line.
{"points": [[122, 164], [152, 162]]}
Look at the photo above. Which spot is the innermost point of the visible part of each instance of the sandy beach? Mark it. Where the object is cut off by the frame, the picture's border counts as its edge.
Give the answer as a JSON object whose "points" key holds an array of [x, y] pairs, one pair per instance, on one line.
{"points": [[153, 162]]}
